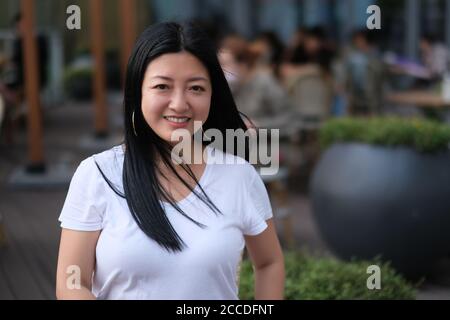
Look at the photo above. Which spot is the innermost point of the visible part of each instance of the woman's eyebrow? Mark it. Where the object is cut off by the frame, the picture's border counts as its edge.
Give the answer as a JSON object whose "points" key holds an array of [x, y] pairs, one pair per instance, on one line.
{"points": [[197, 79], [189, 80], [162, 77]]}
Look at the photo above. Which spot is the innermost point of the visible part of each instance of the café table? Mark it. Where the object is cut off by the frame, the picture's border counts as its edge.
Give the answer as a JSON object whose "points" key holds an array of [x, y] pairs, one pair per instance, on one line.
{"points": [[418, 98]]}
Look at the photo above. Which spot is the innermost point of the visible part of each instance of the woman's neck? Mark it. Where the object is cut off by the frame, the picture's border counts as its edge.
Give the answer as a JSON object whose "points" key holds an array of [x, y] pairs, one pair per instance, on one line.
{"points": [[193, 157]]}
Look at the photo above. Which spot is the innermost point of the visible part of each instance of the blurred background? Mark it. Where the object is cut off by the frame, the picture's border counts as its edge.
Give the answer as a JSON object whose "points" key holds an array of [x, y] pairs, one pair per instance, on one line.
{"points": [[293, 65]]}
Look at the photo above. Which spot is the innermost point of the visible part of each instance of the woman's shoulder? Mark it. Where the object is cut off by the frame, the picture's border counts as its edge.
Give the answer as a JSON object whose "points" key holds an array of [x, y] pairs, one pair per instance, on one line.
{"points": [[108, 161], [230, 165], [109, 154]]}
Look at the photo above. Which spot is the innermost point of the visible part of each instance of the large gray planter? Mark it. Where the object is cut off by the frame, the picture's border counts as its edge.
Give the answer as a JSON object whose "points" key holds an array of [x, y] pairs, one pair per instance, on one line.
{"points": [[393, 202]]}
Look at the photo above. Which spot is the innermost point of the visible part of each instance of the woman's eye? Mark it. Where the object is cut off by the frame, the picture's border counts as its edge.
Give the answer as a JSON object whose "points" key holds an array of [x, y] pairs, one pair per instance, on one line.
{"points": [[197, 88], [161, 87]]}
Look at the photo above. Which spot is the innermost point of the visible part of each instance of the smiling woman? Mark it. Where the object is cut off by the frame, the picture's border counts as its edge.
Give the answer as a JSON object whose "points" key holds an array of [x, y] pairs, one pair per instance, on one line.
{"points": [[176, 92], [141, 227]]}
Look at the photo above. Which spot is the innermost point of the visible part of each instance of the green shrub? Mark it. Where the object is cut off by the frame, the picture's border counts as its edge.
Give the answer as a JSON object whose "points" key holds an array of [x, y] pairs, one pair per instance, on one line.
{"points": [[312, 278], [423, 135]]}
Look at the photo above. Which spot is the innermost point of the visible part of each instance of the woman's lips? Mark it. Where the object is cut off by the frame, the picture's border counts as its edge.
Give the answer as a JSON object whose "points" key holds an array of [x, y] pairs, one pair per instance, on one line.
{"points": [[177, 122]]}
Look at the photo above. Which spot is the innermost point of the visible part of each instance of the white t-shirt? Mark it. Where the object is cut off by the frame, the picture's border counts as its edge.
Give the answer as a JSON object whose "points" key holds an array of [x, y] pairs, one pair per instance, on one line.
{"points": [[130, 265]]}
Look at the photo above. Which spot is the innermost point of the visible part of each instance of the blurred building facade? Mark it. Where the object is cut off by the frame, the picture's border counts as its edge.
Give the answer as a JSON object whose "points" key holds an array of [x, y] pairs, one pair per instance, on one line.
{"points": [[401, 19]]}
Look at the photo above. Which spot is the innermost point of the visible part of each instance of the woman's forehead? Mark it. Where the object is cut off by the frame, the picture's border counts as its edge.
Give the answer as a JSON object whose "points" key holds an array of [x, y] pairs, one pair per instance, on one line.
{"points": [[180, 65]]}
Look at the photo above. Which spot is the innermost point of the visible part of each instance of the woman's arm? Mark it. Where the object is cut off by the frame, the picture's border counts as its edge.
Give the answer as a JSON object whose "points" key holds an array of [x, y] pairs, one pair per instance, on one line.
{"points": [[267, 257], [76, 260]]}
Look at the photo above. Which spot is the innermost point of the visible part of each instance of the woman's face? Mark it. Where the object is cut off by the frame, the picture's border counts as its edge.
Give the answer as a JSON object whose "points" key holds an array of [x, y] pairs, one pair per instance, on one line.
{"points": [[176, 91]]}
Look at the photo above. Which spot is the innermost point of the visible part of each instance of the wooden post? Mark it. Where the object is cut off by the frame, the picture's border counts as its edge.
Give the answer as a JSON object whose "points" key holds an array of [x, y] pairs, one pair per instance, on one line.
{"points": [[127, 12], [98, 50], [31, 76]]}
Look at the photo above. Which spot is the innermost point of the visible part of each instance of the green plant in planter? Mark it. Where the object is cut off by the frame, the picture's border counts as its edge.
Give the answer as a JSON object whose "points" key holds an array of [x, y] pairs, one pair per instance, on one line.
{"points": [[313, 278], [78, 83], [422, 135]]}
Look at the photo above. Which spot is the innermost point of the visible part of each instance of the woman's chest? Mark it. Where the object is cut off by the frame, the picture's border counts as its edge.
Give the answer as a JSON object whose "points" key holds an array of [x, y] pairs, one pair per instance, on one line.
{"points": [[219, 242]]}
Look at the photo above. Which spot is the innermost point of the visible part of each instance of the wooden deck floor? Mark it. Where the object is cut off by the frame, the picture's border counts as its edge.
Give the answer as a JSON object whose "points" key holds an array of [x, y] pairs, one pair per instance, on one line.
{"points": [[28, 259], [30, 217]]}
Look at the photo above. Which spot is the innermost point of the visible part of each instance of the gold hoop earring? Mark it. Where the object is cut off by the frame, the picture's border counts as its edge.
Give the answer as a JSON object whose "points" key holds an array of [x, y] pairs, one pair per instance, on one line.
{"points": [[132, 121]]}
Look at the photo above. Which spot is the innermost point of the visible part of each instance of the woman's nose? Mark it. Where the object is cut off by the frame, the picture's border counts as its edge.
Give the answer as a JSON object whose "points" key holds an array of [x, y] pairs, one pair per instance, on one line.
{"points": [[179, 102]]}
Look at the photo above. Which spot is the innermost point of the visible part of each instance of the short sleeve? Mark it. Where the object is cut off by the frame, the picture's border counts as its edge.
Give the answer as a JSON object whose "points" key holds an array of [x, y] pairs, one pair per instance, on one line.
{"points": [[84, 206], [257, 208]]}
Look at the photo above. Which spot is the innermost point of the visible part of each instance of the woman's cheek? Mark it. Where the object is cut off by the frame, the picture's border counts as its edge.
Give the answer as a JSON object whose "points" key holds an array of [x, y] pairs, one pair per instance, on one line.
{"points": [[203, 107], [152, 106]]}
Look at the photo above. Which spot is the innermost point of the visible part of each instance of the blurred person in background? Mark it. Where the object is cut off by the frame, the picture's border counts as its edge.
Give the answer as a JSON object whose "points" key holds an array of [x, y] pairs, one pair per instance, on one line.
{"points": [[230, 47], [233, 42], [12, 79], [258, 93], [307, 78], [296, 42], [9, 95], [317, 48], [270, 50], [435, 56], [365, 74], [311, 53]]}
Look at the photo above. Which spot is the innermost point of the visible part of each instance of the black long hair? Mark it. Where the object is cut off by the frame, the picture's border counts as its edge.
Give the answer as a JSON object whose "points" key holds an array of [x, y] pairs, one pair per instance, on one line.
{"points": [[141, 188]]}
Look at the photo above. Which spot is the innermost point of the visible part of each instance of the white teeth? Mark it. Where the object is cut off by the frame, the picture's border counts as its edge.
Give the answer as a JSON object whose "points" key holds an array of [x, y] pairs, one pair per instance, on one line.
{"points": [[179, 120]]}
